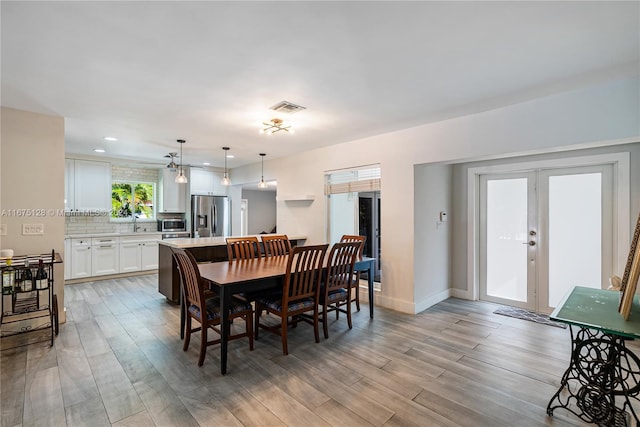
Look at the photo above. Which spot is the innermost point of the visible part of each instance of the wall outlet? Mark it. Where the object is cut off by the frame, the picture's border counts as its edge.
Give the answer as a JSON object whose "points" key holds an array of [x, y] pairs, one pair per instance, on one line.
{"points": [[3, 229], [32, 229]]}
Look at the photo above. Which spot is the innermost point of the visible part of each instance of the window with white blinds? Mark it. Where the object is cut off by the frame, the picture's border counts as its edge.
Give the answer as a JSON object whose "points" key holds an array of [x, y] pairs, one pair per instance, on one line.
{"points": [[353, 180]]}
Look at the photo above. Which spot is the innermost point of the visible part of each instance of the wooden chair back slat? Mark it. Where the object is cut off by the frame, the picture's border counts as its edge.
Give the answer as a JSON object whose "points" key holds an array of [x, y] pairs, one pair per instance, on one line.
{"points": [[304, 269], [349, 238], [276, 245], [190, 276], [242, 247], [340, 266]]}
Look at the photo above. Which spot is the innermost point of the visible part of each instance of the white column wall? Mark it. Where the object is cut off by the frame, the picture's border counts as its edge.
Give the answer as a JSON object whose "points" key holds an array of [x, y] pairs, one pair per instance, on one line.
{"points": [[32, 172]]}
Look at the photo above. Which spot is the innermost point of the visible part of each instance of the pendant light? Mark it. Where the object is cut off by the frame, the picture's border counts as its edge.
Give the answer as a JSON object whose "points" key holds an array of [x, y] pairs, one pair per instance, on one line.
{"points": [[225, 180], [262, 184], [181, 178]]}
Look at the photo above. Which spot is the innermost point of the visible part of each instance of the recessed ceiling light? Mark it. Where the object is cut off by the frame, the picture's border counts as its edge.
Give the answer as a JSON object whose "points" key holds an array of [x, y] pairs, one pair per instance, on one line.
{"points": [[98, 150], [110, 138], [207, 164]]}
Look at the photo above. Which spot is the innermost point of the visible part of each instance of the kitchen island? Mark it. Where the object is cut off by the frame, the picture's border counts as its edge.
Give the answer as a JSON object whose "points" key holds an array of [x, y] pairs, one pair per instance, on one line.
{"points": [[203, 249]]}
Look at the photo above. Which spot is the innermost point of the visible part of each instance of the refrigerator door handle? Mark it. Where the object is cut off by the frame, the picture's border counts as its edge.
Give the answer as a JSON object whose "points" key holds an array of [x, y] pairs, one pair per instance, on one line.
{"points": [[214, 219]]}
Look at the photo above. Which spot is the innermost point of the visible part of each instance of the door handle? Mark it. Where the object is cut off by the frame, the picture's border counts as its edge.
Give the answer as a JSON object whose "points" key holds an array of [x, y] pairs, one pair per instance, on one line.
{"points": [[530, 243]]}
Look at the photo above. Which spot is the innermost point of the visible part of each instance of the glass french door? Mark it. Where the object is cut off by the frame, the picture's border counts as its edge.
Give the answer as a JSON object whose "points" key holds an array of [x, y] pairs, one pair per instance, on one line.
{"points": [[543, 232]]}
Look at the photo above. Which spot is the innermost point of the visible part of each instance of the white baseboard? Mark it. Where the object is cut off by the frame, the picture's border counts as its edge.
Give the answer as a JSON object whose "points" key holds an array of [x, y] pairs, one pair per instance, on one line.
{"points": [[432, 300], [411, 307]]}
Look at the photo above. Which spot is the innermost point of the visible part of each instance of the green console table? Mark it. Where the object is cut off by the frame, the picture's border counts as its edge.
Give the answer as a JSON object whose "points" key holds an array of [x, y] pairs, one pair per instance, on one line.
{"points": [[604, 374]]}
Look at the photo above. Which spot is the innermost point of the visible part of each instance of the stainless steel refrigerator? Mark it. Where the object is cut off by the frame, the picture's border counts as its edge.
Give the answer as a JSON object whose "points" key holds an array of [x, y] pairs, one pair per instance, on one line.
{"points": [[210, 216]]}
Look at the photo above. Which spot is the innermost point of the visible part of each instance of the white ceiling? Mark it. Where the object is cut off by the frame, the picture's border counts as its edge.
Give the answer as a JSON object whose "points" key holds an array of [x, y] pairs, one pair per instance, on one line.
{"points": [[153, 72]]}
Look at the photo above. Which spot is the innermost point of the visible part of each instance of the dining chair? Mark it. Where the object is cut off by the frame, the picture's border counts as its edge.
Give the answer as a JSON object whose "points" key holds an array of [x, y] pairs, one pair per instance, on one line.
{"points": [[335, 289], [247, 247], [276, 244], [349, 238], [206, 311], [300, 291]]}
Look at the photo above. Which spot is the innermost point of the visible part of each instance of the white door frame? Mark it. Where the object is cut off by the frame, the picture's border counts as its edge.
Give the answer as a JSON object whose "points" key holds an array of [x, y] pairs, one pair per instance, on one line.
{"points": [[621, 206]]}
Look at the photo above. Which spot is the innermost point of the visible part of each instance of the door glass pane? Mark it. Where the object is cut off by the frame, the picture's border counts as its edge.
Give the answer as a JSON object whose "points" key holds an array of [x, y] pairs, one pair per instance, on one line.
{"points": [[506, 232], [575, 236]]}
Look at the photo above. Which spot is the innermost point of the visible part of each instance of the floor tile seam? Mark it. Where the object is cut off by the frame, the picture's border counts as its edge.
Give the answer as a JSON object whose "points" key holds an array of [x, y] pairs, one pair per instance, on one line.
{"points": [[513, 371]]}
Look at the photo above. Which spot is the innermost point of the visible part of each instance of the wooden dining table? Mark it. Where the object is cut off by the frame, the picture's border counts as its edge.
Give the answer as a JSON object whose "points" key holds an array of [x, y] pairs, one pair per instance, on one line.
{"points": [[254, 275]]}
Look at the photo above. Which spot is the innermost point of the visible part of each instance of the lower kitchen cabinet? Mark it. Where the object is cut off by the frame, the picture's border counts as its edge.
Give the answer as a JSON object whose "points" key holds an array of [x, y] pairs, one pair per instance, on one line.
{"points": [[149, 255], [101, 256], [137, 254], [129, 256], [80, 258], [105, 257]]}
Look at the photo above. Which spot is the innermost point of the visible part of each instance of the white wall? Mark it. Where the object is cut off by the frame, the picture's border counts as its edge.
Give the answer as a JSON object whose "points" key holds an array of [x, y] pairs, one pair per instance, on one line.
{"points": [[586, 117], [433, 194], [262, 211], [32, 177]]}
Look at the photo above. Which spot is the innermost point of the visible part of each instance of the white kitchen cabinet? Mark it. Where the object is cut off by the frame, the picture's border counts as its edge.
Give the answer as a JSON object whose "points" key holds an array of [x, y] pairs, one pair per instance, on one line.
{"points": [[129, 256], [139, 253], [67, 259], [149, 255], [206, 182], [172, 195], [105, 256], [87, 185], [80, 258]]}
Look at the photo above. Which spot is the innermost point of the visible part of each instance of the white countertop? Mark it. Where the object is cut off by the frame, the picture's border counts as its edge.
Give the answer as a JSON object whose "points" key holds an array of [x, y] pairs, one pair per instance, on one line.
{"points": [[211, 241], [131, 233]]}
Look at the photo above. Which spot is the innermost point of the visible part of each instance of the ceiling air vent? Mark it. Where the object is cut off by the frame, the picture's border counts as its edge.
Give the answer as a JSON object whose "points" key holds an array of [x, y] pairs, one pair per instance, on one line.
{"points": [[287, 107]]}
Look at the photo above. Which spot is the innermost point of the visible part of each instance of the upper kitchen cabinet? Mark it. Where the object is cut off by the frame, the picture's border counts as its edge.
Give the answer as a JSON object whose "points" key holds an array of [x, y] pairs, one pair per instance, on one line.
{"points": [[206, 182], [87, 185], [172, 195]]}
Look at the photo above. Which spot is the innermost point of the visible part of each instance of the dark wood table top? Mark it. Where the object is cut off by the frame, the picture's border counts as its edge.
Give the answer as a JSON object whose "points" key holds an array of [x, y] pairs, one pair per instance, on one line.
{"points": [[240, 271]]}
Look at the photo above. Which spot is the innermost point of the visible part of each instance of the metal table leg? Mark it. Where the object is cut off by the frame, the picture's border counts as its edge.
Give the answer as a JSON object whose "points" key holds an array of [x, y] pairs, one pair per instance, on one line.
{"points": [[602, 370]]}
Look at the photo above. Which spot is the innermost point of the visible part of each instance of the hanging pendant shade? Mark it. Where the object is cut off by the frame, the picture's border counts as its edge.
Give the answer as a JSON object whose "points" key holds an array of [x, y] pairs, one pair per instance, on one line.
{"points": [[262, 184], [225, 179], [181, 178]]}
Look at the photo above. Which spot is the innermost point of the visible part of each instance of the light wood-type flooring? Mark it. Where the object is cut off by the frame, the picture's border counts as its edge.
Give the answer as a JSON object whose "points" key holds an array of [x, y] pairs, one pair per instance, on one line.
{"points": [[119, 361]]}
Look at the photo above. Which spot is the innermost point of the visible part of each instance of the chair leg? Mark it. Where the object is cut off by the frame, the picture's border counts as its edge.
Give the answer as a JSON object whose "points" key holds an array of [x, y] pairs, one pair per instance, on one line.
{"points": [[315, 325], [349, 314], [249, 325], [187, 337], [337, 312], [256, 324], [283, 333], [358, 292], [325, 320], [203, 344]]}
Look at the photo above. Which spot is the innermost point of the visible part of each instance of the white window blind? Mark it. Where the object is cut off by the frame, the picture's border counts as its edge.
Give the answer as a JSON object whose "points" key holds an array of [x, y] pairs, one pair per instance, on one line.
{"points": [[353, 180]]}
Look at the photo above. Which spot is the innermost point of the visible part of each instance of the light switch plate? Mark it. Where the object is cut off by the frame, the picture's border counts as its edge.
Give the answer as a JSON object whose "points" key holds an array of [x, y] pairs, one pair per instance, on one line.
{"points": [[3, 229], [32, 229]]}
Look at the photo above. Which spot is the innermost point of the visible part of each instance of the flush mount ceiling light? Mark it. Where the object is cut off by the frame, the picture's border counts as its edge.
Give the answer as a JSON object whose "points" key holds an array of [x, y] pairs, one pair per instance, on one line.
{"points": [[181, 178], [110, 138], [262, 184], [276, 125], [225, 179]]}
